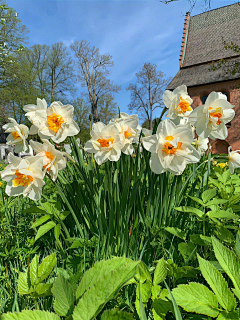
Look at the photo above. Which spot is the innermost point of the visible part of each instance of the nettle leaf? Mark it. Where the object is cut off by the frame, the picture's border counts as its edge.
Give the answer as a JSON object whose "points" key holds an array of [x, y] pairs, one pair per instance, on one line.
{"points": [[116, 315], [162, 307], [105, 289], [195, 297], [221, 214], [237, 245], [156, 289], [228, 316], [40, 221], [176, 232], [200, 239], [199, 201], [23, 283], [44, 229], [43, 289], [208, 195], [34, 269], [192, 210], [229, 262], [46, 267], [215, 202], [187, 250], [30, 315], [160, 272], [64, 296], [143, 273], [218, 284], [99, 269], [185, 272]]}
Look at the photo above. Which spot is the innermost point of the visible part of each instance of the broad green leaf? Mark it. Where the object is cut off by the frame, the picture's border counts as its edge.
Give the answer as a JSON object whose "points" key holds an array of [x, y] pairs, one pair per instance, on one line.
{"points": [[228, 316], [176, 232], [116, 315], [57, 230], [221, 214], [40, 221], [145, 289], [143, 273], [99, 269], [156, 289], [23, 283], [208, 195], [199, 201], [34, 270], [142, 313], [185, 272], [218, 284], [36, 209], [43, 289], [64, 296], [224, 235], [200, 239], [187, 250], [162, 307], [193, 210], [30, 315], [215, 202], [226, 176], [160, 272], [229, 262], [64, 215], [46, 267], [44, 229], [105, 289], [195, 297]]}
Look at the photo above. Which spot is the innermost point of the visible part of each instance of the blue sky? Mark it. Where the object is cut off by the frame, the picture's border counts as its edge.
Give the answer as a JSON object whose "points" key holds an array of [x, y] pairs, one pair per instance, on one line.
{"points": [[133, 32]]}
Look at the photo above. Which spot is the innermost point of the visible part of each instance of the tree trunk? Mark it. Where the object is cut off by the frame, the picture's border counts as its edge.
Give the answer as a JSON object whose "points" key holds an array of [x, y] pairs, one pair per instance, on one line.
{"points": [[95, 113], [151, 119]]}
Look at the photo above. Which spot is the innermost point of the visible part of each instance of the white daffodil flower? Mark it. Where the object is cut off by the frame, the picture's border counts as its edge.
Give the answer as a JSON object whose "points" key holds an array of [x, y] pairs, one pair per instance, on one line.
{"points": [[24, 176], [201, 144], [128, 129], [171, 148], [178, 103], [34, 113], [106, 143], [233, 159], [211, 117], [18, 134], [56, 122], [53, 160]]}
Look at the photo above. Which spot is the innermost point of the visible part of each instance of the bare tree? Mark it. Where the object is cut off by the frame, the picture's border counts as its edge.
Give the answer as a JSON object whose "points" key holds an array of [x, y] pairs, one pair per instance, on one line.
{"points": [[93, 71], [146, 93]]}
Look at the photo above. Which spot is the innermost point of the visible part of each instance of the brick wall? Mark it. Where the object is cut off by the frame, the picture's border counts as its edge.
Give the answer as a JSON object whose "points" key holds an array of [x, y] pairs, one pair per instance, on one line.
{"points": [[232, 87]]}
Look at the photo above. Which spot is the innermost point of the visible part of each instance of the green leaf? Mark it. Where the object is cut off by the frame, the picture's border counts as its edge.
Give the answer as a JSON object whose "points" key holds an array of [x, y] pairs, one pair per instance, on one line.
{"points": [[34, 270], [185, 272], [36, 209], [224, 234], [40, 221], [142, 313], [143, 273], [156, 289], [237, 245], [44, 229], [105, 289], [193, 210], [145, 289], [195, 297], [116, 315], [199, 201], [64, 215], [218, 284], [23, 283], [176, 232], [221, 214], [43, 289], [160, 272], [226, 176], [46, 267], [228, 316], [99, 269], [215, 202], [187, 250], [177, 312], [64, 296], [229, 262], [162, 307], [57, 230], [200, 239], [208, 195], [30, 315]]}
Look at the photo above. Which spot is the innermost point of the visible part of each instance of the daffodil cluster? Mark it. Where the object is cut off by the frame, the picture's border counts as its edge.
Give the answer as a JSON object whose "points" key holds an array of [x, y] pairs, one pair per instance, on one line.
{"points": [[25, 175]]}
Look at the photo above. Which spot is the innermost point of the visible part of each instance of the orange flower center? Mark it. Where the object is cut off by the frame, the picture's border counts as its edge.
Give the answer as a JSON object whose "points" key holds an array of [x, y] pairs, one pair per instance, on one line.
{"points": [[169, 148], [127, 134], [15, 135], [105, 142], [54, 122], [217, 114], [22, 179], [50, 157], [184, 105]]}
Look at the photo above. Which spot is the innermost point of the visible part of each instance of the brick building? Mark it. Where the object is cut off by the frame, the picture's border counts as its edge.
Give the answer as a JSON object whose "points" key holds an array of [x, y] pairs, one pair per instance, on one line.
{"points": [[202, 43]]}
